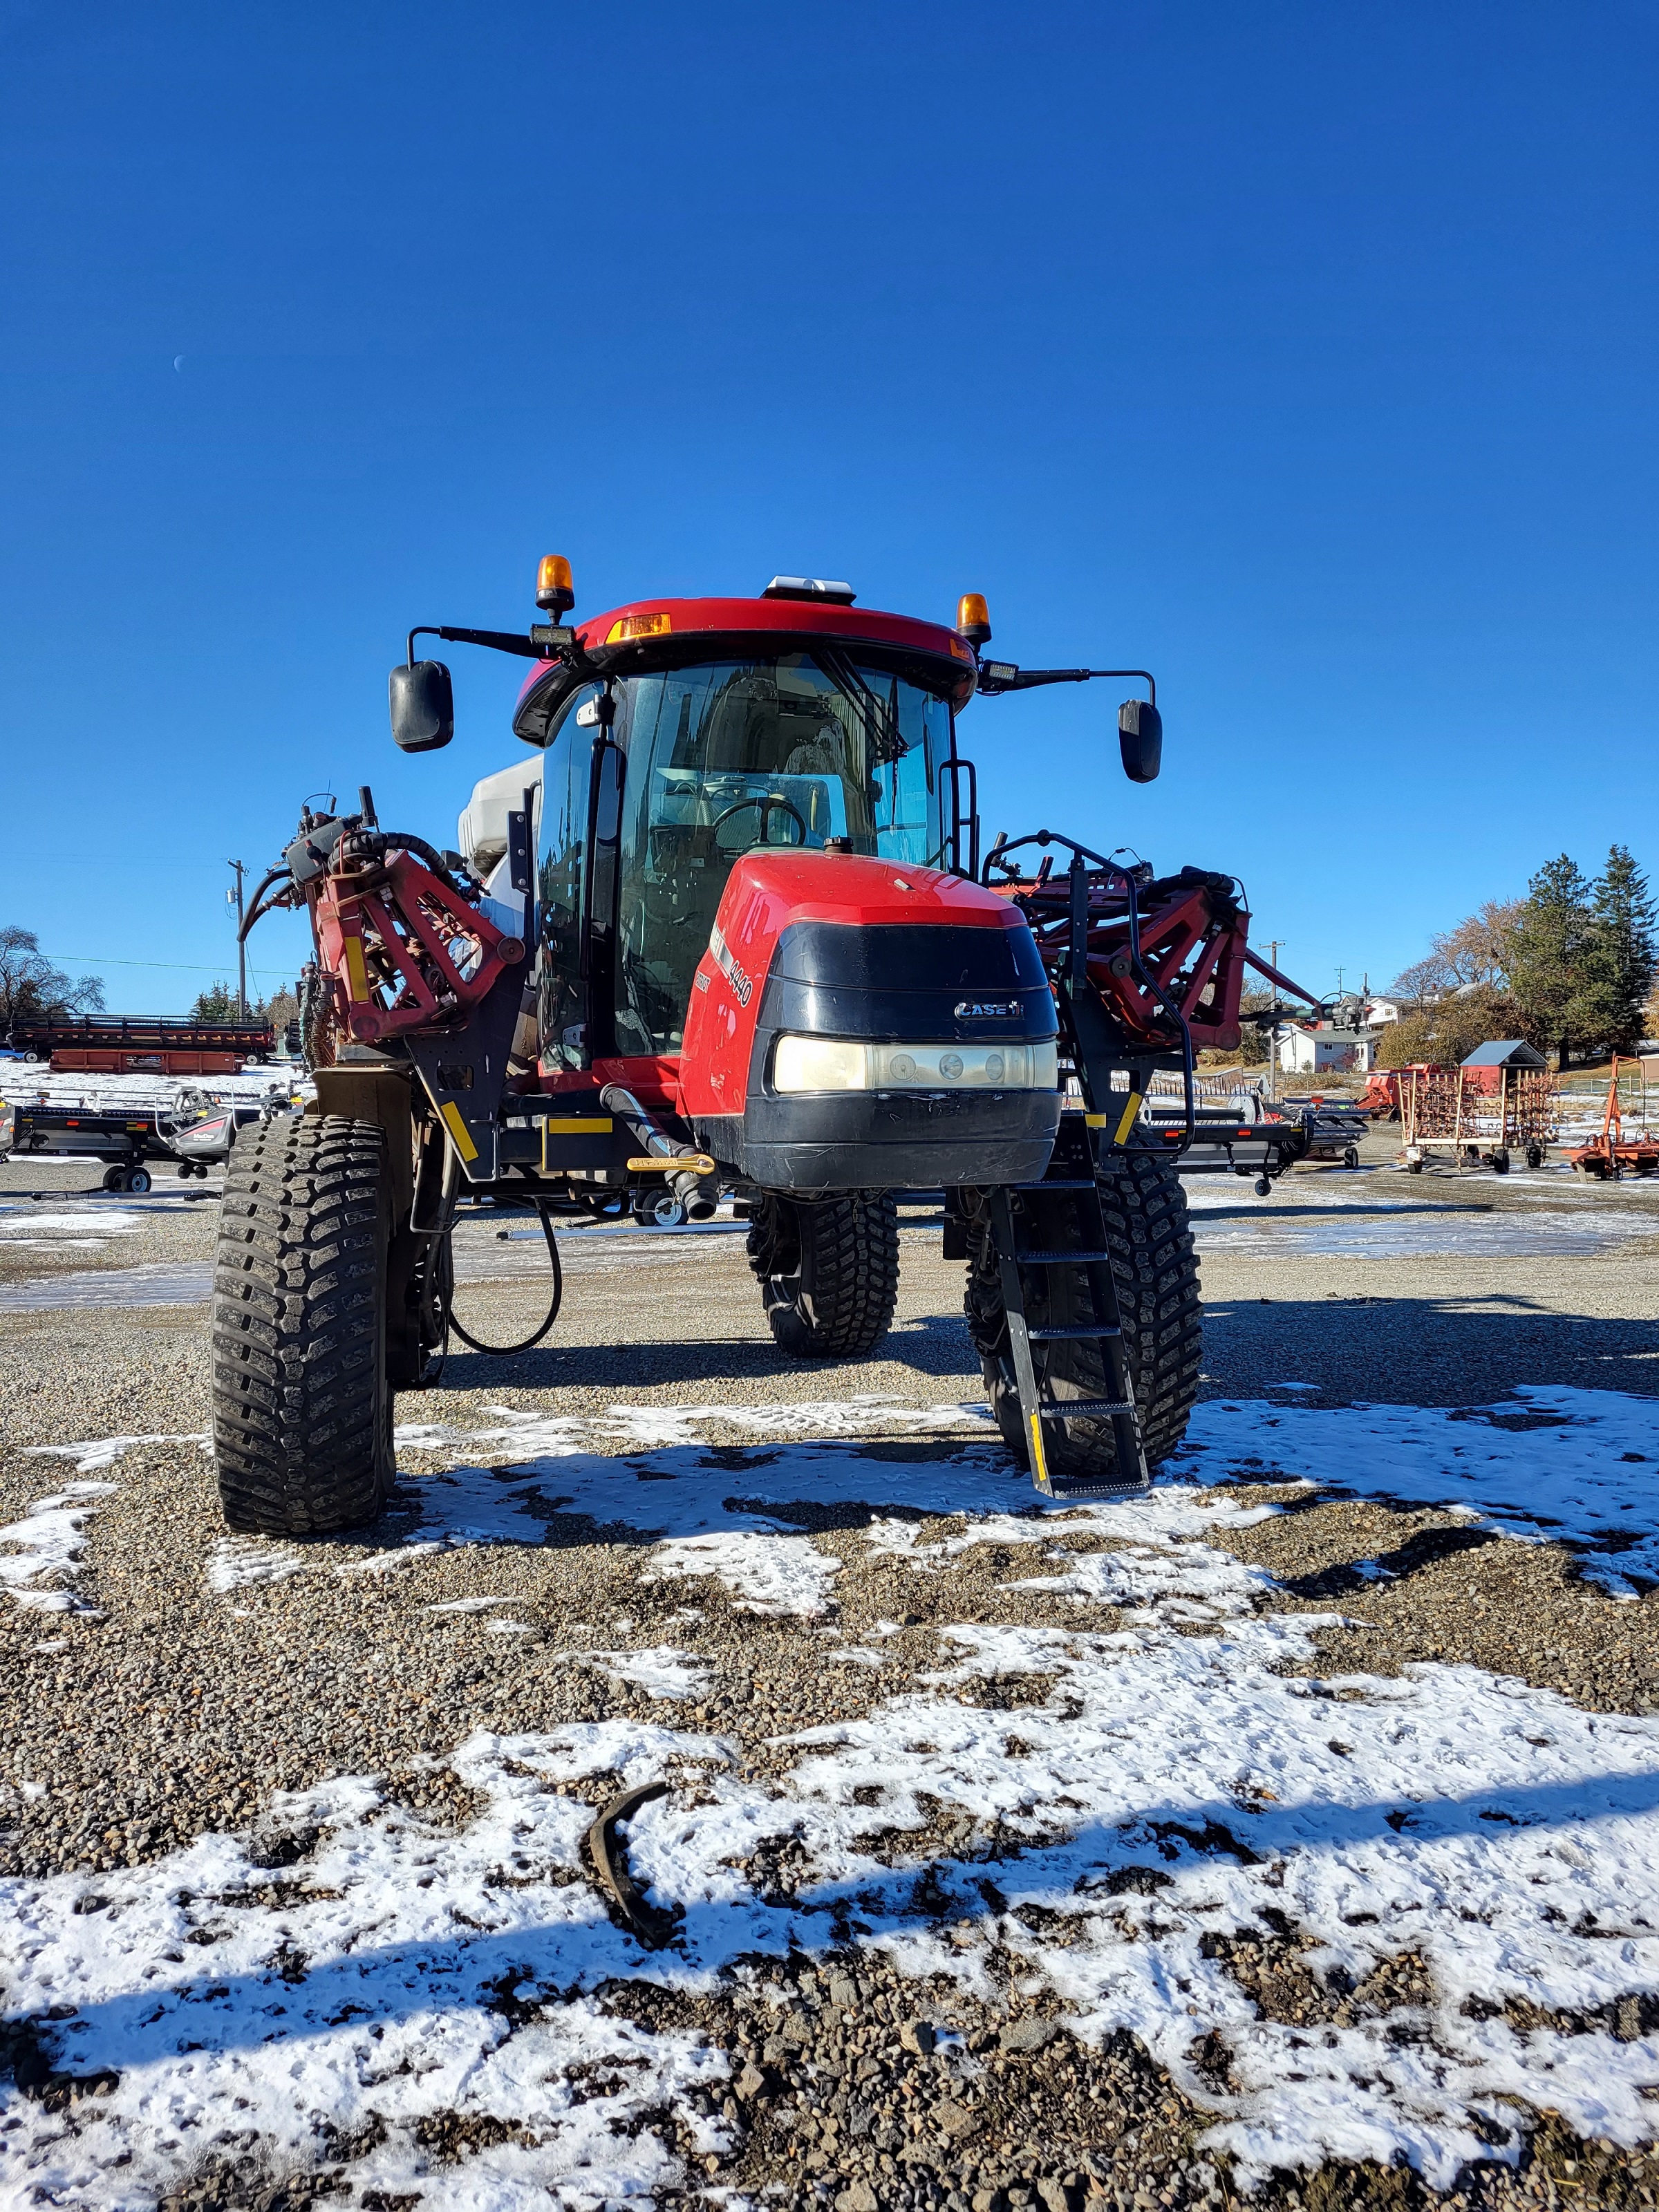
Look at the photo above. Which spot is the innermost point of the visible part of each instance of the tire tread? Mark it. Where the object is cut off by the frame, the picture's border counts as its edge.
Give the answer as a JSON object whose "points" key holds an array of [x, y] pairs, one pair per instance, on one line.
{"points": [[850, 1246], [301, 1413]]}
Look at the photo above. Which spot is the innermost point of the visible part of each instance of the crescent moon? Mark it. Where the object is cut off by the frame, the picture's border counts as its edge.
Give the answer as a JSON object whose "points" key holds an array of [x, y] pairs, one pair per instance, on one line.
{"points": [[178, 360]]}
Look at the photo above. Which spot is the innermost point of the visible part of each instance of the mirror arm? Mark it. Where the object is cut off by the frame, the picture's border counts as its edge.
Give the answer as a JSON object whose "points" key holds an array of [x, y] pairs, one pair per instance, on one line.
{"points": [[498, 640], [996, 676]]}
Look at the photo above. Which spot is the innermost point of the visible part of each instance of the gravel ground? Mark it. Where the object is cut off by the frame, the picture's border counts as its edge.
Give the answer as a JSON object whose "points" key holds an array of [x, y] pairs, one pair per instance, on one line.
{"points": [[157, 1706]]}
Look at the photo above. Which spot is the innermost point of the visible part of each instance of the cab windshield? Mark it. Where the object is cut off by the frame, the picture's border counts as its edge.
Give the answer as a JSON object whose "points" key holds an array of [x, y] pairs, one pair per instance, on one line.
{"points": [[728, 756]]}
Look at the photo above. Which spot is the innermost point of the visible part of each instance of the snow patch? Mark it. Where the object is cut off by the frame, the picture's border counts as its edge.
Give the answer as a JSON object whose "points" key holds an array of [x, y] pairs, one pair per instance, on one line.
{"points": [[1551, 1464], [98, 1452], [661, 1671], [14, 1220], [765, 1574], [239, 1562], [1393, 1229], [1098, 1807], [155, 1283], [1506, 1842], [49, 1541]]}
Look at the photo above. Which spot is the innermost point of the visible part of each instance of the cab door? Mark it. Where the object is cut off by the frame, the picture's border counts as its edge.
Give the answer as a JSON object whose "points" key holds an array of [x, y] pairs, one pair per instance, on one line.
{"points": [[564, 895]]}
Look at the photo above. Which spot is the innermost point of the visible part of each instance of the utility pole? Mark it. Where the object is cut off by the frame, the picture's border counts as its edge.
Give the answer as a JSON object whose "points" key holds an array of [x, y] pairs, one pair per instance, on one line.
{"points": [[1274, 944], [234, 898]]}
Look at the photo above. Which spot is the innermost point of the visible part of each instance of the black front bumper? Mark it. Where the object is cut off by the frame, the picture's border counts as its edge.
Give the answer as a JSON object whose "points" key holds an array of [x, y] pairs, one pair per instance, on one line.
{"points": [[885, 1139]]}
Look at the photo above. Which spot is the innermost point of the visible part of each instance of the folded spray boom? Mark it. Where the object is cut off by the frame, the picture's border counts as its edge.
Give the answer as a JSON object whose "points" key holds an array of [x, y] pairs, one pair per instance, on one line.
{"points": [[402, 946]]}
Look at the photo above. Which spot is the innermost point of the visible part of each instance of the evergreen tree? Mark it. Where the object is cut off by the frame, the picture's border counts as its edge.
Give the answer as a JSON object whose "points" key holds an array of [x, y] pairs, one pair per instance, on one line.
{"points": [[1550, 949], [1620, 956], [217, 1003]]}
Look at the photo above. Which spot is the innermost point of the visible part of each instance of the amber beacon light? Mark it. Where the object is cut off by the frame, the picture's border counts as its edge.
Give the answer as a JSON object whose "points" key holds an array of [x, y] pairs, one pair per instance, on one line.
{"points": [[554, 590], [974, 618]]}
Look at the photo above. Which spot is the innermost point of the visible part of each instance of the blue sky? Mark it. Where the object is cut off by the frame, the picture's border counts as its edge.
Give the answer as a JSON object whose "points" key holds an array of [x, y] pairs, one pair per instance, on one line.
{"points": [[1304, 355]]}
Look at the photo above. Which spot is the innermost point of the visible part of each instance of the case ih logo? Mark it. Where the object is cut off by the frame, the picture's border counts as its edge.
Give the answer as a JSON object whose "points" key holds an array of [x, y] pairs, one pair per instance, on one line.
{"points": [[980, 1009], [735, 975]]}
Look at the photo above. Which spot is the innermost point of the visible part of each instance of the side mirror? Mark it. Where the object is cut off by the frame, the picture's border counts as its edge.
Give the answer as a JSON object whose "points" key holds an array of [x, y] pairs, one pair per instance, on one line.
{"points": [[423, 706], [1140, 739]]}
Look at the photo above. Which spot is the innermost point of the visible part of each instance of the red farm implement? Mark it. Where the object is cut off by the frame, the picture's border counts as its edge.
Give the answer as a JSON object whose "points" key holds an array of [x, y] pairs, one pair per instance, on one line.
{"points": [[1613, 1153], [1475, 1116]]}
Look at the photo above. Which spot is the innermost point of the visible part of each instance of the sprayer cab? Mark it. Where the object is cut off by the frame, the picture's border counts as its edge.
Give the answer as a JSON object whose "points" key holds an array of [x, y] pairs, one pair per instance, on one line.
{"points": [[754, 905]]}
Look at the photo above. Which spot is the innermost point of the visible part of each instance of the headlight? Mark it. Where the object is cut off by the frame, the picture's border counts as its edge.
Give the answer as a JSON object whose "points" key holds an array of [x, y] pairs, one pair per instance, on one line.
{"points": [[810, 1063]]}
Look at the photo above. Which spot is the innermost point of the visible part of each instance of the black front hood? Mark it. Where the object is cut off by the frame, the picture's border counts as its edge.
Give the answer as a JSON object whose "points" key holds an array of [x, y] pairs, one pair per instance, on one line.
{"points": [[895, 983]]}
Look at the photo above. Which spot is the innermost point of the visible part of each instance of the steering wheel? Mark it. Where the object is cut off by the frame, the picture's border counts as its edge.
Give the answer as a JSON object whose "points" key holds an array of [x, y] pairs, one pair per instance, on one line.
{"points": [[773, 802]]}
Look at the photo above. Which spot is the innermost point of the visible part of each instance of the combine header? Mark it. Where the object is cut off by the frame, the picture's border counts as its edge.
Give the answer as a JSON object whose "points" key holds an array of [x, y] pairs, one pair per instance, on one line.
{"points": [[142, 1044], [727, 933]]}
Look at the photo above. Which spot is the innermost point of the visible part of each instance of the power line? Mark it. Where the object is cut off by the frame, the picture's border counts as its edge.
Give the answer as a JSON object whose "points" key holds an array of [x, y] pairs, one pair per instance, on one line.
{"points": [[192, 966]]}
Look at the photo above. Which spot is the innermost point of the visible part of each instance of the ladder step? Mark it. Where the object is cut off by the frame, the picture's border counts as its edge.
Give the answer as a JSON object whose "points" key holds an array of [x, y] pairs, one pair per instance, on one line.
{"points": [[1076, 1331], [1133, 1487], [1073, 1409], [1058, 1259], [1082, 1182]]}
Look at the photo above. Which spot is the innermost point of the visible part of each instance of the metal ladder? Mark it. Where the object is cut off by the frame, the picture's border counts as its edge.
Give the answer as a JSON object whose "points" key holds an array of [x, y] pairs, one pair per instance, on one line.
{"points": [[1075, 1178]]}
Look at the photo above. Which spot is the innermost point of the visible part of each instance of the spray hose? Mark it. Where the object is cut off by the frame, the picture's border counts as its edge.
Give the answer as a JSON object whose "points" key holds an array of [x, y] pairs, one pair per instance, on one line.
{"points": [[525, 1344], [694, 1183]]}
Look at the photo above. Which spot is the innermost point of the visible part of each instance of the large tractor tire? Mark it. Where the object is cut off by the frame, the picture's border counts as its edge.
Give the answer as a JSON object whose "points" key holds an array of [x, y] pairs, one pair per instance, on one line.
{"points": [[301, 1390], [1155, 1270], [829, 1272]]}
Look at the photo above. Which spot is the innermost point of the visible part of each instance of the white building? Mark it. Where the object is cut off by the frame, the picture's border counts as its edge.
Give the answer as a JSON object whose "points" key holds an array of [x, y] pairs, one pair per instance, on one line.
{"points": [[1379, 1011], [1305, 1051]]}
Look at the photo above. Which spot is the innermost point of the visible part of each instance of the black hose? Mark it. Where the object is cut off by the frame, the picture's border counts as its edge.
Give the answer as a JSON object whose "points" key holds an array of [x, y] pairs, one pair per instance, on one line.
{"points": [[503, 1350], [255, 911], [402, 840]]}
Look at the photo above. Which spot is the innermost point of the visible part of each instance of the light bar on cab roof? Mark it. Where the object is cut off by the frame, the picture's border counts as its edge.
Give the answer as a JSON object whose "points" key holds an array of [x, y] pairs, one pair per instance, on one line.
{"points": [[810, 587]]}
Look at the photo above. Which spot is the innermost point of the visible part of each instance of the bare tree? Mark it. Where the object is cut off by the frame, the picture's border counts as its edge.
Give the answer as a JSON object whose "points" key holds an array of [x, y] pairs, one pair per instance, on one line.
{"points": [[32, 990], [1477, 952], [1423, 979]]}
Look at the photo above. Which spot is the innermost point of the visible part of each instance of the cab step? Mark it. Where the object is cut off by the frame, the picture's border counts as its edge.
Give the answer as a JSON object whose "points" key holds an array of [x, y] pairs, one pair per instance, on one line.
{"points": [[1061, 1258], [1082, 1409], [1078, 1197], [1061, 1490]]}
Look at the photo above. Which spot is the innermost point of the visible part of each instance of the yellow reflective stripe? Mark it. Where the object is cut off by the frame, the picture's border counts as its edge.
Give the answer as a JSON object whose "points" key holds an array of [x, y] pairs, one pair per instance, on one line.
{"points": [[1128, 1120], [451, 1115], [356, 974], [592, 1126], [1094, 1120], [1039, 1461]]}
